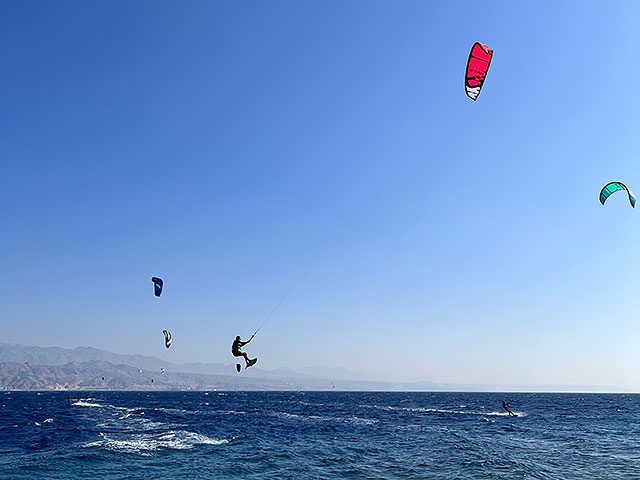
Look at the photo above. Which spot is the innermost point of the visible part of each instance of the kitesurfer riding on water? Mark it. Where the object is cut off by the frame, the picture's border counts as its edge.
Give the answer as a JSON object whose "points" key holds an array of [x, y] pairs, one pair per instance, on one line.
{"points": [[235, 348], [505, 405]]}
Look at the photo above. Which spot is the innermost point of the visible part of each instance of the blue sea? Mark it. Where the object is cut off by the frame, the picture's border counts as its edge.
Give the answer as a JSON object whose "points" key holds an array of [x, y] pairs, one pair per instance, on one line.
{"points": [[323, 435]]}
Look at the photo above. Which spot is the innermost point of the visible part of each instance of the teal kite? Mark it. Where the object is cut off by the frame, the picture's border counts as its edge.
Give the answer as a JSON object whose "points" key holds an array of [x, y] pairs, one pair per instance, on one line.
{"points": [[613, 187]]}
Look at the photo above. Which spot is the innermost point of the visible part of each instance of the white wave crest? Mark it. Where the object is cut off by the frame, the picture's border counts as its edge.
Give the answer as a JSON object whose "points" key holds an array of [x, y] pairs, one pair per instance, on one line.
{"points": [[325, 418], [46, 420], [82, 403], [361, 421], [444, 410], [147, 443]]}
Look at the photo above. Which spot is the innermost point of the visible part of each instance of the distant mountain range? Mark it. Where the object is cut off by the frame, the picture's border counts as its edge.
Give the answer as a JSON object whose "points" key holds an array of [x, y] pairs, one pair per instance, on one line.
{"points": [[63, 356], [87, 368]]}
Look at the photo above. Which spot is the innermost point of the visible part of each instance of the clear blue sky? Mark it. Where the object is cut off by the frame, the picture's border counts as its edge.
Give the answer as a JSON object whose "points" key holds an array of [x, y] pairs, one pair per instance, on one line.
{"points": [[224, 145]]}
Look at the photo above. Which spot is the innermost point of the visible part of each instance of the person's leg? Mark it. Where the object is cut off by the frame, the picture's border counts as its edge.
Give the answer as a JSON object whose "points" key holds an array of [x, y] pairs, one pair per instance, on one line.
{"points": [[246, 357]]}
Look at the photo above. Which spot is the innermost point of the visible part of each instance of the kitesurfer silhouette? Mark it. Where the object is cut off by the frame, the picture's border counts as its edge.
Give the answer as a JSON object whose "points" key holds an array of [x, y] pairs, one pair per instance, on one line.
{"points": [[235, 348], [505, 405]]}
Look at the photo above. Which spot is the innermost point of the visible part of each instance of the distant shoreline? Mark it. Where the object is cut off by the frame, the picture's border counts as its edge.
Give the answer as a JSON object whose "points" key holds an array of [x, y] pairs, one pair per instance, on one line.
{"points": [[473, 392], [32, 368]]}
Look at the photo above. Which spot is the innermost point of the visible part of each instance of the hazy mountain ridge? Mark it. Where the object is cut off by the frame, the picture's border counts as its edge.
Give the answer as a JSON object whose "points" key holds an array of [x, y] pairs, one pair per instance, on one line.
{"points": [[63, 356], [86, 366], [89, 376]]}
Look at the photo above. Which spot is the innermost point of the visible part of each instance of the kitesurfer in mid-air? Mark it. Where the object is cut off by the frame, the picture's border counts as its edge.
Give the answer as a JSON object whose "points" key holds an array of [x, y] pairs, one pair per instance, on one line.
{"points": [[235, 348], [505, 405]]}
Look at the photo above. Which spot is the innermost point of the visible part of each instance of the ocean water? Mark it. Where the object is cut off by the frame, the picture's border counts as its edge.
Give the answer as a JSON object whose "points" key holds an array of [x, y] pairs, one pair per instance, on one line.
{"points": [[329, 435]]}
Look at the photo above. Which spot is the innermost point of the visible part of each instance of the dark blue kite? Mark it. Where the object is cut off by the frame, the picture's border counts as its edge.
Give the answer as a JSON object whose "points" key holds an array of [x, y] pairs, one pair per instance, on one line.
{"points": [[157, 286]]}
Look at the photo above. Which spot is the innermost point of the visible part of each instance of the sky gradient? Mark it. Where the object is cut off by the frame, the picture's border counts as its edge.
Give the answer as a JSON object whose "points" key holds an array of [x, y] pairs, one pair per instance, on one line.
{"points": [[225, 145]]}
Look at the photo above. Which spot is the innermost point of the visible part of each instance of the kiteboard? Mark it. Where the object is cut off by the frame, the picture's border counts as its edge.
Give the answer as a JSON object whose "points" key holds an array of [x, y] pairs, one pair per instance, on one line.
{"points": [[252, 362], [238, 367]]}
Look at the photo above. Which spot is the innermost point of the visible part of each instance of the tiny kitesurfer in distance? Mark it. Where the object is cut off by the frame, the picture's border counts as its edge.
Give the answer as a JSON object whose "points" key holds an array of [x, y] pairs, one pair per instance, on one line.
{"points": [[505, 405]]}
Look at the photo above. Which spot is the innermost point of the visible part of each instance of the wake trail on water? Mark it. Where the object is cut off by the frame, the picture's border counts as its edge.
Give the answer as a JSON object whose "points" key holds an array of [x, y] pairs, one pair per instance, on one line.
{"points": [[146, 443], [496, 413], [82, 403], [127, 429], [323, 418]]}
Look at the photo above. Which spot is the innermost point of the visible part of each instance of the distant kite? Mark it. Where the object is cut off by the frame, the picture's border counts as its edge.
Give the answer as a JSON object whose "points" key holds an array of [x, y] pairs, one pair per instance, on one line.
{"points": [[27, 364], [613, 187], [157, 286], [477, 68], [167, 338]]}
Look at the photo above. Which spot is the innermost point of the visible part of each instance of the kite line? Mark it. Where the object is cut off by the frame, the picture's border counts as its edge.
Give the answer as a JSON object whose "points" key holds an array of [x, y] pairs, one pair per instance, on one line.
{"points": [[293, 289]]}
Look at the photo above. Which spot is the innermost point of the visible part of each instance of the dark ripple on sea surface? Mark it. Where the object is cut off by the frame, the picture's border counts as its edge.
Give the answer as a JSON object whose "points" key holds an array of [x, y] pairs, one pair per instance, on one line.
{"points": [[251, 435]]}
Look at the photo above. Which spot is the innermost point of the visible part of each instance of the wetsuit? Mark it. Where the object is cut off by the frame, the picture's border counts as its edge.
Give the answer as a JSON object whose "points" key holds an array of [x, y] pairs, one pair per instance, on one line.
{"points": [[235, 348]]}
